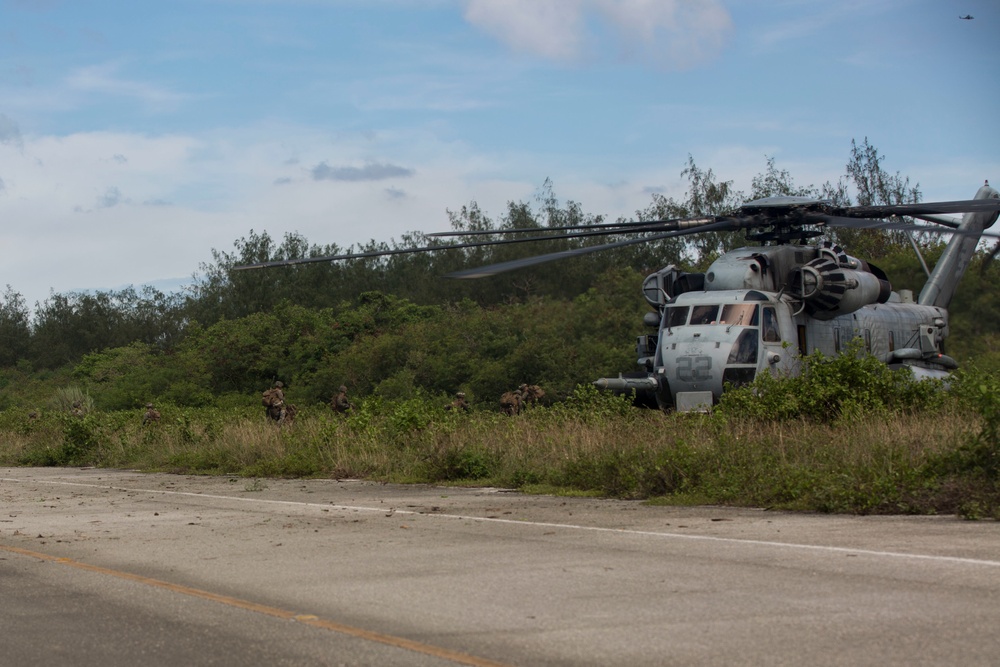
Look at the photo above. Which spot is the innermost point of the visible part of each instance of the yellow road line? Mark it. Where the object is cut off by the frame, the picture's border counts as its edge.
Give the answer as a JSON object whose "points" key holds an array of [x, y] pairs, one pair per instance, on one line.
{"points": [[308, 619]]}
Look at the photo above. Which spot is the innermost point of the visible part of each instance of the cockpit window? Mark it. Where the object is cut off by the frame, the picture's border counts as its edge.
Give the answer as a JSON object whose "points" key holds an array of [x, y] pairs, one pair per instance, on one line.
{"points": [[744, 349], [744, 314], [676, 316], [741, 314], [705, 314], [770, 331]]}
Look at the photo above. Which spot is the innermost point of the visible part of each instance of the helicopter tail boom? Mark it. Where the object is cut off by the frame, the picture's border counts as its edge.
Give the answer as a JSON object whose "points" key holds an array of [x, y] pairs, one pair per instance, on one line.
{"points": [[948, 271]]}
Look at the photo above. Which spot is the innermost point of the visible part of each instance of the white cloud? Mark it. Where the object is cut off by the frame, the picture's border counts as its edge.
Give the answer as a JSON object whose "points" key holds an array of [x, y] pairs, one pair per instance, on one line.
{"points": [[102, 210], [553, 29], [674, 34], [104, 80]]}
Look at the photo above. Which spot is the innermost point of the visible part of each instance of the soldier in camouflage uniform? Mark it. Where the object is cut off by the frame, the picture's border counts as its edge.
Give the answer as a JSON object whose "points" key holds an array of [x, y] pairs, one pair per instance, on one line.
{"points": [[510, 403], [274, 402], [339, 403], [530, 394], [459, 404], [152, 414]]}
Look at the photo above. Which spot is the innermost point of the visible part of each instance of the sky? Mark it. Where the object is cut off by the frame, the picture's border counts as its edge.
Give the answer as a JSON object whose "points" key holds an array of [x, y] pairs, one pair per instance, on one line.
{"points": [[136, 137]]}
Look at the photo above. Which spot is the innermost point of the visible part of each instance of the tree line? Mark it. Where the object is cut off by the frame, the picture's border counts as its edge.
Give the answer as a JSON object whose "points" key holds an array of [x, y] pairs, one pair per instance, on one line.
{"points": [[392, 321]]}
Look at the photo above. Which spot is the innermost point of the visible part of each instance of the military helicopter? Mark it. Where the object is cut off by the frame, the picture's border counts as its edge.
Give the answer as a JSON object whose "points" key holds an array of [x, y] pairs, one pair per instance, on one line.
{"points": [[762, 308]]}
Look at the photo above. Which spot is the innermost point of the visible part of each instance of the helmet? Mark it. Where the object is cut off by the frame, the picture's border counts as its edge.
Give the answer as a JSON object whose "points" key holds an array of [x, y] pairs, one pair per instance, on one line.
{"points": [[343, 389], [460, 394], [279, 384], [149, 405]]}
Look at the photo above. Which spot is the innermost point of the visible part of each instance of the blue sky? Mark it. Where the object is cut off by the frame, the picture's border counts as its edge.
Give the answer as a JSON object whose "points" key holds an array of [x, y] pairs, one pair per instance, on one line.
{"points": [[135, 137]]}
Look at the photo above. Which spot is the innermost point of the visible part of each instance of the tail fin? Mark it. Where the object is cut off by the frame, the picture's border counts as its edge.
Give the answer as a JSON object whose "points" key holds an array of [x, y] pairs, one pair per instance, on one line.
{"points": [[948, 271]]}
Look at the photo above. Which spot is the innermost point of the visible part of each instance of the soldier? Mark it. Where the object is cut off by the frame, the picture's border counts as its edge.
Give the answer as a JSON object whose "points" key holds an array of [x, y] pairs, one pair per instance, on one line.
{"points": [[530, 394], [274, 401], [459, 404], [339, 403], [510, 403], [152, 414], [78, 410]]}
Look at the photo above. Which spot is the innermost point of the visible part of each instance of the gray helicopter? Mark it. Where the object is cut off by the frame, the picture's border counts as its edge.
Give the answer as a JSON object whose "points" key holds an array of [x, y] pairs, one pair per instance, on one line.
{"points": [[762, 308]]}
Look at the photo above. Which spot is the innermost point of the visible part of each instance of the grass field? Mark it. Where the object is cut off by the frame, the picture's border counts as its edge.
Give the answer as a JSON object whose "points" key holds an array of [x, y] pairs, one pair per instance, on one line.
{"points": [[939, 455]]}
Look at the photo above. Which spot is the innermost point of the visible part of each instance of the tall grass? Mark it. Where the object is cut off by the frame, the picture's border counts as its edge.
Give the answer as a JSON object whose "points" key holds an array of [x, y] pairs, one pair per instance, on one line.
{"points": [[873, 461], [847, 435]]}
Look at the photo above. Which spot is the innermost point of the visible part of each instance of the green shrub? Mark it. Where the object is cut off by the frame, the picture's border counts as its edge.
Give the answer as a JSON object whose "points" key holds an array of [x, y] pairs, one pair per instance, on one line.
{"points": [[80, 441], [460, 463], [846, 386], [588, 403], [67, 398]]}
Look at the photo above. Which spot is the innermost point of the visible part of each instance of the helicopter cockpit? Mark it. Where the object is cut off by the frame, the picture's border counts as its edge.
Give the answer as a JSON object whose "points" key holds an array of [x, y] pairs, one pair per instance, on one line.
{"points": [[732, 314], [707, 340]]}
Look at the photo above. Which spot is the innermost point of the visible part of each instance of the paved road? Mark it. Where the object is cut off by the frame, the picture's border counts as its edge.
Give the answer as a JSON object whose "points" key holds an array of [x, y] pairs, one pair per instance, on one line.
{"points": [[121, 568]]}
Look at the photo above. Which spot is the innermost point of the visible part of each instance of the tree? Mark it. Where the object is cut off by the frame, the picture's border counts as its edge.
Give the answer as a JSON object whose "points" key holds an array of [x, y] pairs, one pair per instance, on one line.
{"points": [[778, 183], [872, 186], [15, 330], [705, 196]]}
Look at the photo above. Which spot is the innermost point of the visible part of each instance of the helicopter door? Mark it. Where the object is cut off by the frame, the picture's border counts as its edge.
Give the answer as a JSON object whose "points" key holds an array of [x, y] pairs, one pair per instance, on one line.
{"points": [[770, 338], [770, 331]]}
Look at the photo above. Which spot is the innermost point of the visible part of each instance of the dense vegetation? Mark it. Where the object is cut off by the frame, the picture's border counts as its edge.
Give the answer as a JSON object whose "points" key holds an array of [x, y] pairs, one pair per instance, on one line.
{"points": [[847, 436], [403, 340]]}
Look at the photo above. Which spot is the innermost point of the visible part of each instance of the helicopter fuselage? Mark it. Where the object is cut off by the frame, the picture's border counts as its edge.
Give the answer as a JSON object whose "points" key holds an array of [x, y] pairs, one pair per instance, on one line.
{"points": [[710, 339], [761, 309]]}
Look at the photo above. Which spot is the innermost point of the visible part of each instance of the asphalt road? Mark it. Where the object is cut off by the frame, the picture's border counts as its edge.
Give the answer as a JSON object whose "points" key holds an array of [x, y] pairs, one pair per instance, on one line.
{"points": [[111, 568]]}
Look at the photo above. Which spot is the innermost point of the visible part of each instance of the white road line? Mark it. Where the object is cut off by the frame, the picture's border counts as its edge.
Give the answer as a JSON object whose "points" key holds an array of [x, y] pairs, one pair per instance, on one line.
{"points": [[541, 524]]}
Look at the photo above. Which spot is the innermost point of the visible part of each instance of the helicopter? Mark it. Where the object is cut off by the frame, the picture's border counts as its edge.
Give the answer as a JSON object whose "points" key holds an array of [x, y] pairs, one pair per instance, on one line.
{"points": [[761, 309]]}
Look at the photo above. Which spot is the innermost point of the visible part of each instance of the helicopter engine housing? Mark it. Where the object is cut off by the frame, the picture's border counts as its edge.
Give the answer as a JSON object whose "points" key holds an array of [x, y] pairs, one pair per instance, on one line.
{"points": [[829, 289]]}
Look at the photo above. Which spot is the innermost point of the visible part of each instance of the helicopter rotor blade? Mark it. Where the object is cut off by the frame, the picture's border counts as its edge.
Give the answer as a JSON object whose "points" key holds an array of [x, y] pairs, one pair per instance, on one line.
{"points": [[890, 225], [937, 219], [542, 231], [859, 217], [964, 206], [512, 265], [334, 258], [495, 232], [627, 226], [405, 251], [690, 224]]}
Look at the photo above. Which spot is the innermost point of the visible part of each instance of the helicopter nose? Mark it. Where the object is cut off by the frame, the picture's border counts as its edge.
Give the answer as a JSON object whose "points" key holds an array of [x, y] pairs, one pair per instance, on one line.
{"points": [[699, 367]]}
